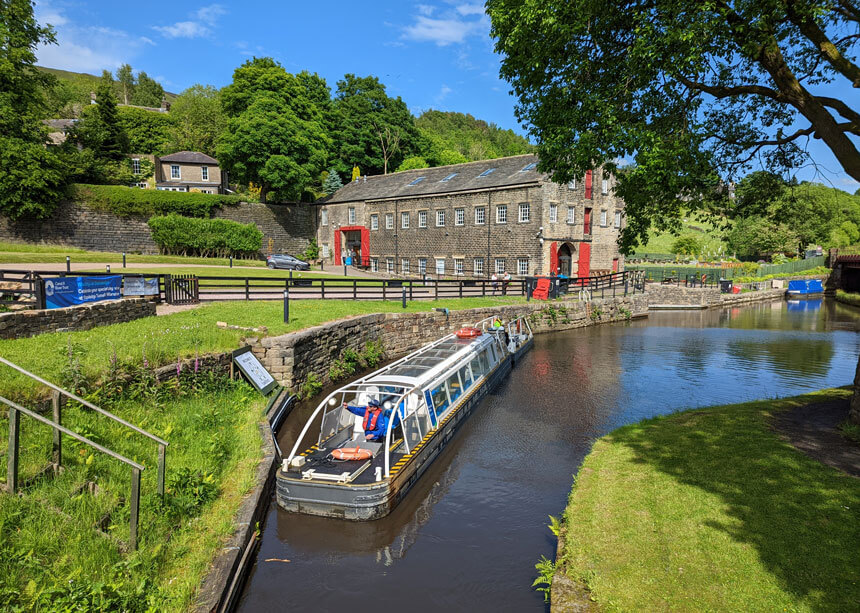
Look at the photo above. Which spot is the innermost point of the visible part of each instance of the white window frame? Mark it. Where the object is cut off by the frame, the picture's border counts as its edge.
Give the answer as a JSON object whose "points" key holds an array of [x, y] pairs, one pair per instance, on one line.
{"points": [[374, 221], [459, 217], [135, 166], [617, 219], [458, 266], [325, 250], [374, 264], [604, 218], [422, 219], [324, 217], [404, 220], [204, 173], [389, 265], [525, 211], [404, 266], [480, 215], [604, 187], [440, 219], [572, 184], [440, 266], [389, 221], [350, 215], [422, 266], [499, 266], [478, 266], [571, 215], [553, 213], [175, 172], [501, 213], [522, 267]]}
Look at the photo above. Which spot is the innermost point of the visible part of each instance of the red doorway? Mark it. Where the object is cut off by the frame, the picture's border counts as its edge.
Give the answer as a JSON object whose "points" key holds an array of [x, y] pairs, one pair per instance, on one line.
{"points": [[584, 260], [349, 239]]}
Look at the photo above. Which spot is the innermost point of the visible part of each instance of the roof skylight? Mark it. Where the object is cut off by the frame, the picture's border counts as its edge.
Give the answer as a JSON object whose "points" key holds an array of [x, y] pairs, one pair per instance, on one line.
{"points": [[529, 167], [487, 172], [417, 181], [449, 177]]}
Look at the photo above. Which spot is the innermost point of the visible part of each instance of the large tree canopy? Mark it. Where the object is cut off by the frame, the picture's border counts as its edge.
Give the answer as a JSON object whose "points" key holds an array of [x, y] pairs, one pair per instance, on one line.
{"points": [[197, 120], [697, 92]]}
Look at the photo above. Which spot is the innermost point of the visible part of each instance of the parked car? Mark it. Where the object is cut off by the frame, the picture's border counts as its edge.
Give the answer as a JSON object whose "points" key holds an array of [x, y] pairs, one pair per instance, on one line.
{"points": [[282, 260]]}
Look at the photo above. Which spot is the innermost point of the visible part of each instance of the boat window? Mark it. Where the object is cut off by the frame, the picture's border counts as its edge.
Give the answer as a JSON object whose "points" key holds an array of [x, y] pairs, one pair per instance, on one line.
{"points": [[440, 398], [478, 368], [466, 377], [429, 402], [455, 388]]}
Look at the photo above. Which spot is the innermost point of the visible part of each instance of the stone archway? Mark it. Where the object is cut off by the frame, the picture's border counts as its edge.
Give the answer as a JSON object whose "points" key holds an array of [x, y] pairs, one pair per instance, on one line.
{"points": [[565, 259]]}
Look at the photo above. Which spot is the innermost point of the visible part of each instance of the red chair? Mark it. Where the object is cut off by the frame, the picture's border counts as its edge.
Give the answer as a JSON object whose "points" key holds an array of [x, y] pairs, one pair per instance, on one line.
{"points": [[541, 291]]}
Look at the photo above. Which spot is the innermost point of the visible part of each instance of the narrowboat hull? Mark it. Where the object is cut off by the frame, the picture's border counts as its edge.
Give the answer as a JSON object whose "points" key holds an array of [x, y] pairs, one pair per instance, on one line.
{"points": [[363, 502]]}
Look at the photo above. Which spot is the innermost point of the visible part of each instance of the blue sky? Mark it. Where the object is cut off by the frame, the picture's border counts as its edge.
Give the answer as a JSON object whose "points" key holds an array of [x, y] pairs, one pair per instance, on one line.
{"points": [[434, 53]]}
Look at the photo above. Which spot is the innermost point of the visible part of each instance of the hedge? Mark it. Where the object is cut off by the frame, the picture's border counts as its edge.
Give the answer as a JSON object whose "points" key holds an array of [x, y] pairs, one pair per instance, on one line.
{"points": [[178, 235], [126, 201]]}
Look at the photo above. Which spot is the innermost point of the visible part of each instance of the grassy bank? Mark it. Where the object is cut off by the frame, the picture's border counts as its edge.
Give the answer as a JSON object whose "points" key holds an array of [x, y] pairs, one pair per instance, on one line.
{"points": [[162, 340], [710, 510], [848, 298]]}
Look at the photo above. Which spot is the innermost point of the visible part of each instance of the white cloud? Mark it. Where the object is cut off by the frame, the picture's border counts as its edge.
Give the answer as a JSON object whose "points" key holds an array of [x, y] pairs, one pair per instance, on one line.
{"points": [[202, 21], [440, 31], [470, 9], [425, 9], [443, 93]]}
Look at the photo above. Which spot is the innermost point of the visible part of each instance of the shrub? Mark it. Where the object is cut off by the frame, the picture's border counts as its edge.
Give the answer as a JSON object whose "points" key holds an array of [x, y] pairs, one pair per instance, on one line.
{"points": [[126, 201], [178, 235]]}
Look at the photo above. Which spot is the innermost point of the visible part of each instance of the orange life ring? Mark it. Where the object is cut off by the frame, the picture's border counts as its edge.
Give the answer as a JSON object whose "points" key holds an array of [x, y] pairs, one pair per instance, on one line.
{"points": [[468, 333], [352, 453]]}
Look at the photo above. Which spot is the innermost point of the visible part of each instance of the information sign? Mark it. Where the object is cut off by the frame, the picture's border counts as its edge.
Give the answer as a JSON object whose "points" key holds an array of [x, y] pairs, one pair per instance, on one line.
{"points": [[68, 291], [255, 372], [140, 286]]}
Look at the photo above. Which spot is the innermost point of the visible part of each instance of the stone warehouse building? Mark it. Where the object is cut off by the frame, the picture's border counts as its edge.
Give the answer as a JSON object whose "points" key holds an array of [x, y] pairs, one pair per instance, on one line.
{"points": [[475, 219]]}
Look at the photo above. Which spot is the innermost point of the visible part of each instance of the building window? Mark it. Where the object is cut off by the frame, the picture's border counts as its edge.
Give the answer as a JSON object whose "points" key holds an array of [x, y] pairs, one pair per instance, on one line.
{"points": [[374, 222], [174, 171], [478, 266], [135, 166], [440, 219], [440, 266], [374, 264], [204, 172], [586, 221], [389, 221], [502, 213], [525, 212], [324, 217], [404, 221], [522, 266], [422, 219], [572, 184], [604, 187], [389, 265], [422, 266], [553, 213], [458, 266], [571, 214], [325, 251], [603, 219], [351, 216], [459, 217], [404, 266], [480, 216], [617, 219], [500, 266]]}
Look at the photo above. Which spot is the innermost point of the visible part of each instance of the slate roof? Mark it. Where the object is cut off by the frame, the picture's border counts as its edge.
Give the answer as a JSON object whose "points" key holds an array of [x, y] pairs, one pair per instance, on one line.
{"points": [[508, 172], [189, 157]]}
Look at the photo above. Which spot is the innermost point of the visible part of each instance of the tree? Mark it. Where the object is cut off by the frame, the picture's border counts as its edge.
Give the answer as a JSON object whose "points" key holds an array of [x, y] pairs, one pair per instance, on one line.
{"points": [[695, 93], [332, 182], [32, 179], [274, 135], [412, 162], [451, 136], [686, 245], [760, 237], [125, 83], [197, 120], [147, 91], [147, 131], [106, 136], [372, 130]]}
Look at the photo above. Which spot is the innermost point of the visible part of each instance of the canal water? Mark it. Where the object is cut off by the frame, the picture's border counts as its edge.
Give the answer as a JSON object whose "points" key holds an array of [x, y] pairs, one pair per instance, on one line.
{"points": [[468, 535]]}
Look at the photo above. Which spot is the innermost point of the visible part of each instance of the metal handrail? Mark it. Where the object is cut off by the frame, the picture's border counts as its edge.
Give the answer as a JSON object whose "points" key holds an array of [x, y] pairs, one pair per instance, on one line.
{"points": [[14, 446], [162, 444]]}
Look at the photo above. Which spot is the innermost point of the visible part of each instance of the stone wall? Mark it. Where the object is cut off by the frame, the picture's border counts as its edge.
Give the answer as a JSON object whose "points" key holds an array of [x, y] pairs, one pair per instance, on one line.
{"points": [[290, 227], [20, 324], [697, 297], [292, 357]]}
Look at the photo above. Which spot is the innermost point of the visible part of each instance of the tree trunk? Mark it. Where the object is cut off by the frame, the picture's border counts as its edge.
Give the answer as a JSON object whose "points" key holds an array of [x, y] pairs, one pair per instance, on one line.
{"points": [[854, 411]]}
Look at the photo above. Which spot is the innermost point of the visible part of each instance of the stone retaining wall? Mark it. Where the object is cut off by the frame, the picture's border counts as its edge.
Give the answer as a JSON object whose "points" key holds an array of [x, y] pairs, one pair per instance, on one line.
{"points": [[291, 358], [20, 324]]}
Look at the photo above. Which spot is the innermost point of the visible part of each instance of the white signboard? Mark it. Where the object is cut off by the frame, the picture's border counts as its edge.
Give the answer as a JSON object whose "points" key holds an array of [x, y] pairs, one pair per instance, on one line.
{"points": [[254, 370]]}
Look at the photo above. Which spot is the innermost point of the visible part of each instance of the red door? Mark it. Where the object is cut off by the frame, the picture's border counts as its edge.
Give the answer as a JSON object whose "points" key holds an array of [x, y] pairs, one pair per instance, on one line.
{"points": [[584, 260], [553, 258], [586, 223], [588, 182], [614, 264]]}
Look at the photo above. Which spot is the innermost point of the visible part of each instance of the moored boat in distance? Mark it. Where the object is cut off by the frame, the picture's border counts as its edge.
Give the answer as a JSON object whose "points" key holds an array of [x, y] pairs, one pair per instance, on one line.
{"points": [[804, 287], [378, 435]]}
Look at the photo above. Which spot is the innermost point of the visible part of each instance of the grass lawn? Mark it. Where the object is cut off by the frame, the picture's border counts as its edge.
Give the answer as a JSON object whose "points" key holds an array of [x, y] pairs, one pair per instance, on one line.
{"points": [[163, 339], [708, 510], [226, 271], [709, 237], [848, 297]]}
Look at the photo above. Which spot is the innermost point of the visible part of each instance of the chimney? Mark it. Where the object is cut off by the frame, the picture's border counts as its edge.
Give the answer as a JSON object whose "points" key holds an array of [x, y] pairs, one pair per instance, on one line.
{"points": [[92, 97]]}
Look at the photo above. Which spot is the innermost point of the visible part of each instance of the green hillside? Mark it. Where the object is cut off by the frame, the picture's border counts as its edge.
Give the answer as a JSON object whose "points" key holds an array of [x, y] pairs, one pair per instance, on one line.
{"points": [[709, 237], [473, 138]]}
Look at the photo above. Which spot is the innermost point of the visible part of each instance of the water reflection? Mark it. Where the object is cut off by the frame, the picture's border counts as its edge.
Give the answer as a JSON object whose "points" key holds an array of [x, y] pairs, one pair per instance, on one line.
{"points": [[468, 535]]}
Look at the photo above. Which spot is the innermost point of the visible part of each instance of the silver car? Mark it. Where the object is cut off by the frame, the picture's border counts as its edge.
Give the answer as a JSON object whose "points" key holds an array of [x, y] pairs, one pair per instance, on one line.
{"points": [[282, 260]]}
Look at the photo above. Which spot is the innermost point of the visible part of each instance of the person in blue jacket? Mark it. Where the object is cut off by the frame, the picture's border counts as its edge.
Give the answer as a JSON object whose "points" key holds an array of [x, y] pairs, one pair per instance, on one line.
{"points": [[375, 419]]}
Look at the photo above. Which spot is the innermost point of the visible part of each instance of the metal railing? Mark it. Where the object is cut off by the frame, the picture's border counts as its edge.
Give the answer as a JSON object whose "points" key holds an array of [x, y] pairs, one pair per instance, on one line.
{"points": [[15, 446], [58, 391]]}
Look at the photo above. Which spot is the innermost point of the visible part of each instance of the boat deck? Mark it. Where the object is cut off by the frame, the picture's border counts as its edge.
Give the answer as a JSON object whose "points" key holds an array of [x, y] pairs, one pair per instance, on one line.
{"points": [[320, 460]]}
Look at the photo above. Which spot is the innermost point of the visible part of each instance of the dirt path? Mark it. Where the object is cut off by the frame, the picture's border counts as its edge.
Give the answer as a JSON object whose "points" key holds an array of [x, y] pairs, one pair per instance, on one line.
{"points": [[813, 429]]}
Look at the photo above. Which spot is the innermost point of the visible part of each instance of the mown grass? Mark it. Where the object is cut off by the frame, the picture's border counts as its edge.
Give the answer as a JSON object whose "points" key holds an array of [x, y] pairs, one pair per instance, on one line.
{"points": [[52, 557], [236, 271], [162, 340], [709, 510], [848, 298], [709, 237]]}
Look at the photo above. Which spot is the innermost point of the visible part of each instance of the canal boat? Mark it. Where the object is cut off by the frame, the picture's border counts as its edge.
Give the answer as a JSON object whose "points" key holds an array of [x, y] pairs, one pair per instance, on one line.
{"points": [[804, 287], [423, 399]]}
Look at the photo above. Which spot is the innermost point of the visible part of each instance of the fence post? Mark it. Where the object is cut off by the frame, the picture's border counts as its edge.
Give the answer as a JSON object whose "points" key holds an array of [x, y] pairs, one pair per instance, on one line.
{"points": [[411, 283], [247, 289], [162, 465], [322, 288], [68, 264], [58, 441], [437, 289], [483, 287], [287, 305], [404, 296], [135, 507], [123, 259], [460, 284], [12, 452], [39, 291], [384, 283]]}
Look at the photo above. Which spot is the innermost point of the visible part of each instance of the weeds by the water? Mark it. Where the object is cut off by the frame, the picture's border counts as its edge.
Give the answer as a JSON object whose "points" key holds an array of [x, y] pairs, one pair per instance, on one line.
{"points": [[543, 583]]}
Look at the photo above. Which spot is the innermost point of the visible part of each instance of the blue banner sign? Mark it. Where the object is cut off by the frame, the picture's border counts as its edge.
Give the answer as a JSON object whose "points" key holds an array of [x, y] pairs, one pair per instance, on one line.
{"points": [[68, 291]]}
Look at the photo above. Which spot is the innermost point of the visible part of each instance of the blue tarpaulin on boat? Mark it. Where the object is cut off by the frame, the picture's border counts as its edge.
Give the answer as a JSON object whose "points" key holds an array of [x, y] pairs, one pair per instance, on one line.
{"points": [[805, 286]]}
